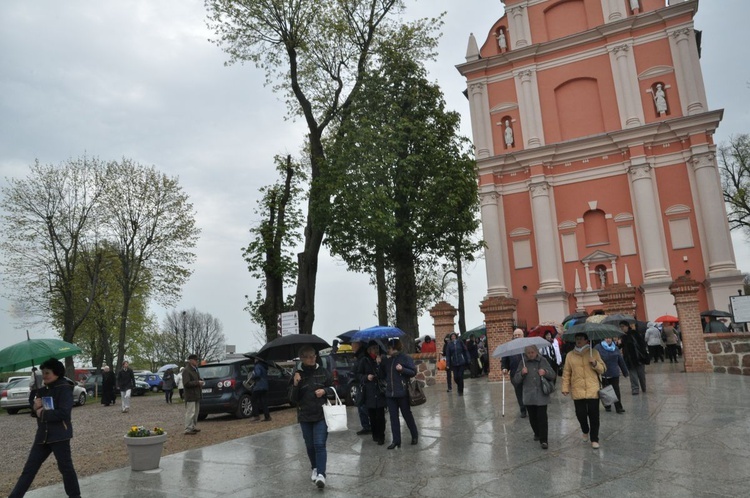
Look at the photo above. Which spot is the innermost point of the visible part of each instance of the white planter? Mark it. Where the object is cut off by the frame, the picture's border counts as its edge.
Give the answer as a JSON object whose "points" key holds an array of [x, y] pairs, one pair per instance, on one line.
{"points": [[145, 452]]}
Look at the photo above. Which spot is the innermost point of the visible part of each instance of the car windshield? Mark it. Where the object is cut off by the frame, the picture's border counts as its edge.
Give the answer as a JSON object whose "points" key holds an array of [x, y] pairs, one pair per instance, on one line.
{"points": [[215, 371], [345, 360], [16, 383]]}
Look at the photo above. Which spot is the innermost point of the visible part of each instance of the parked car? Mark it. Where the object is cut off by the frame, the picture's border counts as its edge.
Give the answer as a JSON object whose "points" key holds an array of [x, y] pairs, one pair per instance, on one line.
{"points": [[223, 391], [15, 396], [341, 366], [95, 381], [153, 380]]}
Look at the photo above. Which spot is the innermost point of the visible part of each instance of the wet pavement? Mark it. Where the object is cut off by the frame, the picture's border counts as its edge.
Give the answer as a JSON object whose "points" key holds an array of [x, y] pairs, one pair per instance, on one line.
{"points": [[689, 435]]}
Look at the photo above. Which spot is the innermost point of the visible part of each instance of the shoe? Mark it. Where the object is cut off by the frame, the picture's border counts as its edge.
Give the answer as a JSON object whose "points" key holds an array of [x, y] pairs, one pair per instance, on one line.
{"points": [[415, 440], [545, 446], [607, 408], [314, 475], [595, 445], [394, 445], [460, 394], [267, 419], [190, 433], [536, 437], [635, 393], [381, 442], [523, 415], [621, 410], [320, 481], [450, 390], [196, 430], [585, 438], [364, 431], [254, 419]]}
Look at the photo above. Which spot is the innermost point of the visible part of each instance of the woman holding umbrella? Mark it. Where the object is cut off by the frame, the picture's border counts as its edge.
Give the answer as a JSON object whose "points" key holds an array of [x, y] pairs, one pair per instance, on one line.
{"points": [[373, 396], [529, 377], [581, 380], [397, 368]]}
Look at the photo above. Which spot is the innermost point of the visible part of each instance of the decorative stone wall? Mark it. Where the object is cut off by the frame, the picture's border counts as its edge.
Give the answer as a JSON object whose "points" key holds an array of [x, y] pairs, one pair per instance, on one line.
{"points": [[426, 367], [498, 319], [685, 292], [443, 316], [729, 352], [618, 298]]}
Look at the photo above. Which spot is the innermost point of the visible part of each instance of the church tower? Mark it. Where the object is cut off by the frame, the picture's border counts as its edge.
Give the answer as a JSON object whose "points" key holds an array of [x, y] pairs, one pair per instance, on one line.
{"points": [[596, 163]]}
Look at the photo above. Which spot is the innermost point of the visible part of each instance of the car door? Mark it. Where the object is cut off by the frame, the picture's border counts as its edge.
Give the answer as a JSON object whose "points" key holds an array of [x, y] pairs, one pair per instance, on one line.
{"points": [[278, 386]]}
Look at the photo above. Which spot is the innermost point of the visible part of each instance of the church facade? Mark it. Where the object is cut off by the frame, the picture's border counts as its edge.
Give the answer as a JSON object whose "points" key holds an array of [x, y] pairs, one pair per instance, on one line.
{"points": [[595, 157]]}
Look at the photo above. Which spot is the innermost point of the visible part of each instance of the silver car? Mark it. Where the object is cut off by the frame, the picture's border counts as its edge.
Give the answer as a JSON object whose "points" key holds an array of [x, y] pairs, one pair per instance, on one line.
{"points": [[15, 396]]}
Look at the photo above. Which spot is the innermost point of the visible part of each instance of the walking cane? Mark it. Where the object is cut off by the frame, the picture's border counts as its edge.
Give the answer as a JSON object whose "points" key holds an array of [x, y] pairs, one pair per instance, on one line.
{"points": [[503, 375]]}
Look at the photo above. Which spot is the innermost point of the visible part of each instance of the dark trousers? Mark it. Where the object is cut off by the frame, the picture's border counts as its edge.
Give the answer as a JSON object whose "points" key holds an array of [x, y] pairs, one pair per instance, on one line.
{"points": [[587, 413], [519, 396], [615, 383], [657, 353], [364, 417], [637, 375], [260, 403], [182, 393], [474, 368], [538, 421], [377, 423], [315, 435], [394, 405], [672, 352], [168, 395], [448, 375], [37, 456], [458, 376]]}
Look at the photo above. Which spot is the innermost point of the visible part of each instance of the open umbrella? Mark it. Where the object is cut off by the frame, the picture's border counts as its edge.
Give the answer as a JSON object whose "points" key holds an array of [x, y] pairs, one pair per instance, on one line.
{"points": [[32, 352], [619, 317], [377, 332], [716, 313], [594, 331], [287, 347], [166, 367], [475, 332], [667, 319], [572, 316], [514, 347], [346, 337]]}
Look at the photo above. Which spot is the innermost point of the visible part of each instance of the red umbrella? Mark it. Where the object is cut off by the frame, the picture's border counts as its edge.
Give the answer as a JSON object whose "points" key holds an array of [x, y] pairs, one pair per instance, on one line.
{"points": [[667, 319]]}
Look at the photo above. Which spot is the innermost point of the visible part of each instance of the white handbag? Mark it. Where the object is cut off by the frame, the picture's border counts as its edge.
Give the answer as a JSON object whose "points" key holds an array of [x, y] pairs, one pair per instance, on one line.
{"points": [[335, 415]]}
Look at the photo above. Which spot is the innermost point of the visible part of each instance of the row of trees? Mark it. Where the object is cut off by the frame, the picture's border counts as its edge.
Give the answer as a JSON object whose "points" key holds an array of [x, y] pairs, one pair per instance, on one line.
{"points": [[88, 243], [392, 188]]}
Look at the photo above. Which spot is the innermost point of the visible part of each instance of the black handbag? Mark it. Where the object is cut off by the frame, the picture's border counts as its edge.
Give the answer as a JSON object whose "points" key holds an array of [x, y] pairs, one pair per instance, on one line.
{"points": [[416, 393], [548, 387]]}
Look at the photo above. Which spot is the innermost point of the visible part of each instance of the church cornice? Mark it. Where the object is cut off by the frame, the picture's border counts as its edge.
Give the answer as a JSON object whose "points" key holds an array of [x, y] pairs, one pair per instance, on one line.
{"points": [[515, 57]]}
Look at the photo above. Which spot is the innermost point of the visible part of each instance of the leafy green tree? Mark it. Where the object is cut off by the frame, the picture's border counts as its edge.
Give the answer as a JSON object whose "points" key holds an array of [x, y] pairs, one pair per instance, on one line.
{"points": [[404, 181], [267, 255], [151, 222], [316, 54], [734, 166]]}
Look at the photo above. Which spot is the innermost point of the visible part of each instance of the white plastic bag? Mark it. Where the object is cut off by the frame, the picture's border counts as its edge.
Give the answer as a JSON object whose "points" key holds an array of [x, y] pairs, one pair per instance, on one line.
{"points": [[335, 415]]}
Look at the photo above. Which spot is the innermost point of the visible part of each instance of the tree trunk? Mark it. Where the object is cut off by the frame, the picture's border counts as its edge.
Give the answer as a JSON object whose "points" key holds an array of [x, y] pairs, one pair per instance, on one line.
{"points": [[406, 296], [380, 284]]}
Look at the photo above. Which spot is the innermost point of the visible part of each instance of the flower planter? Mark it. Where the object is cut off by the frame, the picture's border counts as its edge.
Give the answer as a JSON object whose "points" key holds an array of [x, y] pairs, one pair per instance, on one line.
{"points": [[145, 452]]}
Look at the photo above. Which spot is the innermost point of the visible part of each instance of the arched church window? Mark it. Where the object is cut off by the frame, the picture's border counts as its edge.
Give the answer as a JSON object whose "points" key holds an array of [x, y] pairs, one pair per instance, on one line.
{"points": [[595, 228]]}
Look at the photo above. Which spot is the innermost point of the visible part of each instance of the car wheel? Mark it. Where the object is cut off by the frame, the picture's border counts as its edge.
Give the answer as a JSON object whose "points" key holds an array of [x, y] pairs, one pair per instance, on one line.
{"points": [[12, 411], [202, 416], [155, 389], [81, 399], [244, 407]]}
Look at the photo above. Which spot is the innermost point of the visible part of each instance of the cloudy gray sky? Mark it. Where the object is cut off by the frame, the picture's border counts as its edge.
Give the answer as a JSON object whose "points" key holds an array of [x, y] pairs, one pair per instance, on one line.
{"points": [[139, 79]]}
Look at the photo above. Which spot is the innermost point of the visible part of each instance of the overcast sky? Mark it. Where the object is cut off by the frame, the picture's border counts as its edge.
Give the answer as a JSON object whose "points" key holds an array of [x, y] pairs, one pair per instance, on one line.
{"points": [[139, 79]]}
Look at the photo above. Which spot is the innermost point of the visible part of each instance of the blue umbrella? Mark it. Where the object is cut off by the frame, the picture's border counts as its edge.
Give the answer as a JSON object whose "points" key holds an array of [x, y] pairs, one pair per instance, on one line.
{"points": [[346, 337], [377, 332]]}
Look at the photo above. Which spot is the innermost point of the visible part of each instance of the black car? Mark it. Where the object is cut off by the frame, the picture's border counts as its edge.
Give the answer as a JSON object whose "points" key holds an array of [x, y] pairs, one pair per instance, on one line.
{"points": [[341, 366], [223, 391], [93, 385]]}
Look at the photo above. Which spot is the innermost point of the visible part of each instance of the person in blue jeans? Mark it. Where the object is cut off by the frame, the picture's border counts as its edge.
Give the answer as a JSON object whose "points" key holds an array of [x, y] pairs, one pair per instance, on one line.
{"points": [[397, 368], [311, 384]]}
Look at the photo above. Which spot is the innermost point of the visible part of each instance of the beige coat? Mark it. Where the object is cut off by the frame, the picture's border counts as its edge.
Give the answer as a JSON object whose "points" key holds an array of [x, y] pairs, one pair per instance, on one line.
{"points": [[580, 379]]}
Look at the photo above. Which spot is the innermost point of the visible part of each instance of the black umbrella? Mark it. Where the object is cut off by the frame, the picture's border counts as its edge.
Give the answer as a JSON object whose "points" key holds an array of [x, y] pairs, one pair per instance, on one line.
{"points": [[577, 314], [287, 347], [619, 317], [717, 313]]}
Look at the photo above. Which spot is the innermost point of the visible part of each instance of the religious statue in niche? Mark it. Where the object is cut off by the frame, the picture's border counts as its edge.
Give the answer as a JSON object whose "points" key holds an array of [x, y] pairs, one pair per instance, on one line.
{"points": [[634, 5], [602, 273], [502, 41], [660, 99], [508, 134]]}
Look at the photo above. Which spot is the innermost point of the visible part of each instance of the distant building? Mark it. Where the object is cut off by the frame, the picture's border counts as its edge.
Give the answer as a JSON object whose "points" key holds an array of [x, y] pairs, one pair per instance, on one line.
{"points": [[596, 161]]}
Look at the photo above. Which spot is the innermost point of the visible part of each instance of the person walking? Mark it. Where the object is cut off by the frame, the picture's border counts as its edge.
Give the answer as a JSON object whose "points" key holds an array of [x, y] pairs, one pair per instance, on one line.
{"points": [[108, 386], [397, 368], [311, 383], [428, 346], [168, 383], [126, 384], [364, 418], [448, 374], [471, 347], [671, 339], [260, 391], [581, 380], [180, 385], [635, 352], [529, 377], [191, 379], [552, 352], [614, 366], [54, 430], [510, 365], [653, 342], [373, 393], [457, 359]]}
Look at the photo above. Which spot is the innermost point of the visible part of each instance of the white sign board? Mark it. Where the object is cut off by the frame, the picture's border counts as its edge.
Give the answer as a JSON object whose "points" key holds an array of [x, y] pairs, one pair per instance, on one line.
{"points": [[289, 323], [740, 308]]}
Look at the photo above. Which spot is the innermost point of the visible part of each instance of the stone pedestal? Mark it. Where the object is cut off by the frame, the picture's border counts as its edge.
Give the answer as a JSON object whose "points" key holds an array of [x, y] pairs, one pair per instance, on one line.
{"points": [[443, 316], [498, 319], [685, 292], [618, 298]]}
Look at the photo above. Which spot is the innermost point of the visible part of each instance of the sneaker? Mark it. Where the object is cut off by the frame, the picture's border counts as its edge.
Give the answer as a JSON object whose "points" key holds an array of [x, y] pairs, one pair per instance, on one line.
{"points": [[595, 445], [320, 481], [190, 433], [545, 446], [364, 431], [196, 430], [314, 475], [450, 390], [585, 438]]}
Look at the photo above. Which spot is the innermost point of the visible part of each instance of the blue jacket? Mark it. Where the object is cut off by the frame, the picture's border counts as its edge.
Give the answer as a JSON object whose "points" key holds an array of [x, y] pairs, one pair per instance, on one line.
{"points": [[395, 386], [456, 354], [260, 376], [55, 425], [613, 361]]}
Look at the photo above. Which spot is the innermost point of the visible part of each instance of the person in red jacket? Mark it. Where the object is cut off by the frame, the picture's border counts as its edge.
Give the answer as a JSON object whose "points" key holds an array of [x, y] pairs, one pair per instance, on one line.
{"points": [[428, 346]]}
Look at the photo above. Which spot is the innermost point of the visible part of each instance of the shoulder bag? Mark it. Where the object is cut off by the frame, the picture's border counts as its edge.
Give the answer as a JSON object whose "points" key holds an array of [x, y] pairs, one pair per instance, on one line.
{"points": [[607, 394], [416, 393], [548, 387], [335, 415]]}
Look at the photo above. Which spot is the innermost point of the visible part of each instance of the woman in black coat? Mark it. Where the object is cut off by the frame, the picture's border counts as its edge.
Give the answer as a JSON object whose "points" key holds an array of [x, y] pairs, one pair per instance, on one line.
{"points": [[373, 395], [108, 387], [54, 430], [397, 368]]}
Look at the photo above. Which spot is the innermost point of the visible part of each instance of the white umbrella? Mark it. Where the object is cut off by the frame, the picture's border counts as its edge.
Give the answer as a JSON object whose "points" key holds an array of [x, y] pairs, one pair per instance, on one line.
{"points": [[517, 346]]}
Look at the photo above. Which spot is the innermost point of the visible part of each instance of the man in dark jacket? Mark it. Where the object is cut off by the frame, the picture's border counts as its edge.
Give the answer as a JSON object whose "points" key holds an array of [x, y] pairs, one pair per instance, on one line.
{"points": [[635, 353], [457, 359], [310, 386], [260, 390], [54, 430], [191, 380], [126, 384], [364, 419]]}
